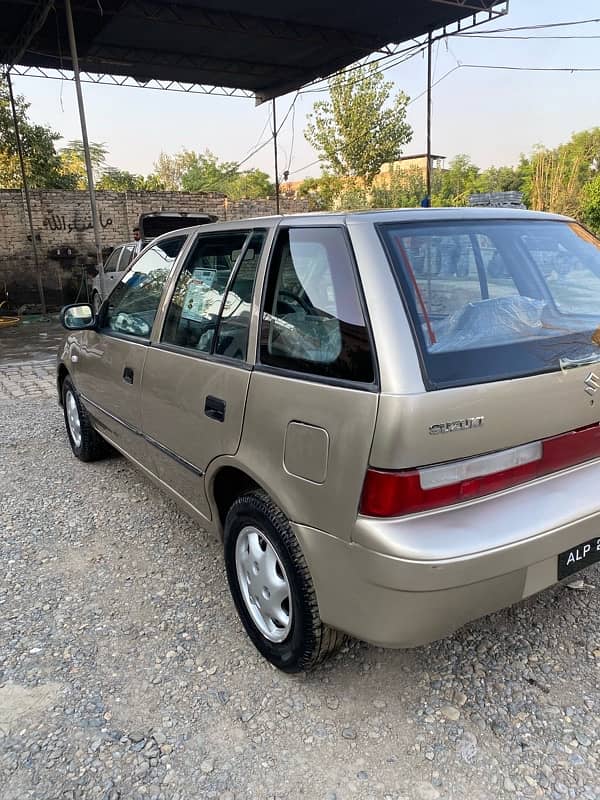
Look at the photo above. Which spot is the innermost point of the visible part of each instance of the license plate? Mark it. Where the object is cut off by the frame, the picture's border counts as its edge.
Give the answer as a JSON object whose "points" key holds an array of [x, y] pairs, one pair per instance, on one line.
{"points": [[578, 557]]}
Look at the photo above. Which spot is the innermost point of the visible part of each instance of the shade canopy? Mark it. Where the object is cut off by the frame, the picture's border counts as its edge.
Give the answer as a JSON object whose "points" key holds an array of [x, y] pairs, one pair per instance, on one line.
{"points": [[265, 47]]}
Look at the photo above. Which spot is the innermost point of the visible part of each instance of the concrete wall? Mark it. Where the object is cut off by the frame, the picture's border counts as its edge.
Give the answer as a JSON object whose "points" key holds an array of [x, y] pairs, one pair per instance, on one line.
{"points": [[63, 220]]}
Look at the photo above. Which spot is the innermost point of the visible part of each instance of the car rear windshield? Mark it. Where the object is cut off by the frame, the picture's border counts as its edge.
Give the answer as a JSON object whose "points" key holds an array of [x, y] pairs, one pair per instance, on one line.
{"points": [[496, 299]]}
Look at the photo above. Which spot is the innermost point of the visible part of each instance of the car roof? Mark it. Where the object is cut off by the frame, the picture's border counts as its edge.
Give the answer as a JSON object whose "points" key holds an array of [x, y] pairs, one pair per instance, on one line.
{"points": [[371, 217]]}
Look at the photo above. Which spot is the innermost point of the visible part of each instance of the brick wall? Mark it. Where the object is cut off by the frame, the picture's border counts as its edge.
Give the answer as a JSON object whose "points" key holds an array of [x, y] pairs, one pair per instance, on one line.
{"points": [[63, 220]]}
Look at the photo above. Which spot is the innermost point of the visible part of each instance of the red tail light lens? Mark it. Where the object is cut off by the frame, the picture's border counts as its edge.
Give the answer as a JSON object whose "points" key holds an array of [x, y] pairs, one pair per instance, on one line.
{"points": [[393, 494]]}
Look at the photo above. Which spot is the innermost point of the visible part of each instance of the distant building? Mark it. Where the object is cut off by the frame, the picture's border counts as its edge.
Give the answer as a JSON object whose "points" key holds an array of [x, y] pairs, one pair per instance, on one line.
{"points": [[409, 164], [403, 164]]}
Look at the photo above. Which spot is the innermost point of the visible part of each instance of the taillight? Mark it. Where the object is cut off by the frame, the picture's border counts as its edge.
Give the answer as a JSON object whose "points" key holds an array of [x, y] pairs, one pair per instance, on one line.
{"points": [[393, 494]]}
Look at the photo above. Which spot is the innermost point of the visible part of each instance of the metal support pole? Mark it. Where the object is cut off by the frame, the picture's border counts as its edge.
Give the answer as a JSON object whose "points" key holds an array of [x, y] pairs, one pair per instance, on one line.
{"points": [[86, 146], [36, 259], [428, 173], [276, 167]]}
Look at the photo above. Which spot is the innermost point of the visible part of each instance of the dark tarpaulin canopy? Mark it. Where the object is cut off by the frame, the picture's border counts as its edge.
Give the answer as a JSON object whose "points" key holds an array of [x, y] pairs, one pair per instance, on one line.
{"points": [[265, 47]]}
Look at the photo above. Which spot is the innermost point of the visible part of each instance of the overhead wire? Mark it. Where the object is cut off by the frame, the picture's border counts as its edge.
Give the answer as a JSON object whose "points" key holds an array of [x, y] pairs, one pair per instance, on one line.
{"points": [[418, 50], [270, 139], [458, 66], [289, 163], [491, 37], [262, 133], [391, 61], [399, 57], [530, 69]]}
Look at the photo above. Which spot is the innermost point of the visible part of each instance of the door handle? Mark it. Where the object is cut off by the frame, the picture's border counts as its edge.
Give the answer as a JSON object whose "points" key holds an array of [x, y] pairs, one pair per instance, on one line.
{"points": [[128, 375], [214, 408]]}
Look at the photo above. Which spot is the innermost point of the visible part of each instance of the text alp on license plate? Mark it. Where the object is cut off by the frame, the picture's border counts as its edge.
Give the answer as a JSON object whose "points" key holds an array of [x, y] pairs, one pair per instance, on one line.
{"points": [[578, 557]]}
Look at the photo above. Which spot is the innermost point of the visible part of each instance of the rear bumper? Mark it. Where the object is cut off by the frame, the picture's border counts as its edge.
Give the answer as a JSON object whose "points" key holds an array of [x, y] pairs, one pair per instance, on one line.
{"points": [[401, 583]]}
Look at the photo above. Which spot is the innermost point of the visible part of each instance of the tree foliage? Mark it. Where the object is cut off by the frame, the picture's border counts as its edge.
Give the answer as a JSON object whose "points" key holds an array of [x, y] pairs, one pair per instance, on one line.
{"points": [[119, 180], [42, 164], [208, 174], [558, 177], [72, 161], [169, 170], [590, 204], [204, 172], [361, 126]]}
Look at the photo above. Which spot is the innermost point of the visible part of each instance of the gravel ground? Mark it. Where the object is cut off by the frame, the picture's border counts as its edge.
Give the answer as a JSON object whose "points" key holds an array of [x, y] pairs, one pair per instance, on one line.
{"points": [[124, 672]]}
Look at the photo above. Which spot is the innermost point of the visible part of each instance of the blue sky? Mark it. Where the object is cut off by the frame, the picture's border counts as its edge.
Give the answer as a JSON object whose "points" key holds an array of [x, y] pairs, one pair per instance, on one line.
{"points": [[491, 115]]}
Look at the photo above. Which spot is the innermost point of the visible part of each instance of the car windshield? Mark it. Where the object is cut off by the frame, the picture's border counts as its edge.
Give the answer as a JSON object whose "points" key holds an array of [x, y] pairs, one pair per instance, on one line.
{"points": [[494, 299]]}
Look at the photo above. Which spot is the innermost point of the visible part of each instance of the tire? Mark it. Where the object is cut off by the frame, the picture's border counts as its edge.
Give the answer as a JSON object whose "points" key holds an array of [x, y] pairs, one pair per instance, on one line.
{"points": [[85, 443], [271, 586], [96, 303]]}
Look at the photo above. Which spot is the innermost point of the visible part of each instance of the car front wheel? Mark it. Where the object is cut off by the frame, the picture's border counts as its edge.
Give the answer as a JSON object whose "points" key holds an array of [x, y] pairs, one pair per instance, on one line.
{"points": [[85, 442], [272, 588]]}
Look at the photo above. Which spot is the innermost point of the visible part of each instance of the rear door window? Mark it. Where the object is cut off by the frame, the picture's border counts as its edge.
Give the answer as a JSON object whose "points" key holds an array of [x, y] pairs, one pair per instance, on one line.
{"points": [[497, 298]]}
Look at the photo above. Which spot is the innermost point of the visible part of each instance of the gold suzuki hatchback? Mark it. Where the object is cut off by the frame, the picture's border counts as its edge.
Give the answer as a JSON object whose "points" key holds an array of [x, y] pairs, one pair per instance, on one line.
{"points": [[389, 418]]}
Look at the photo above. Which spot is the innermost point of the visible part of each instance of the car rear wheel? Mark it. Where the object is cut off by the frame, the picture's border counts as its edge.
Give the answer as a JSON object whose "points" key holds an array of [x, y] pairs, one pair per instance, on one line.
{"points": [[85, 442], [271, 586]]}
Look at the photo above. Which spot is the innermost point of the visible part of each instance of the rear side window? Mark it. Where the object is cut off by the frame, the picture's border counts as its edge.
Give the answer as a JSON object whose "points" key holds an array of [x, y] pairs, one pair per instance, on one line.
{"points": [[312, 319], [493, 299]]}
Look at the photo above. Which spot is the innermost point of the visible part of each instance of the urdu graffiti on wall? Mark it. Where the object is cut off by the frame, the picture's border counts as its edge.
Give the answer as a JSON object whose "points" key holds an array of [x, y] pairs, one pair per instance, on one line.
{"points": [[58, 222]]}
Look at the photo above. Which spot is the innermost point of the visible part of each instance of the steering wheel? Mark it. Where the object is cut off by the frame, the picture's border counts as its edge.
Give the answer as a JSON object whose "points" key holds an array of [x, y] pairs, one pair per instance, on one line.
{"points": [[301, 301]]}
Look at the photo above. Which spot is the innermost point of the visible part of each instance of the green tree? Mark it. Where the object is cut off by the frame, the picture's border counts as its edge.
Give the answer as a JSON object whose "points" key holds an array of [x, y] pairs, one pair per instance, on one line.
{"points": [[452, 186], [72, 161], [399, 188], [152, 183], [252, 184], [558, 176], [169, 170], [361, 126], [42, 164], [119, 180], [501, 179], [208, 174], [590, 204], [321, 192]]}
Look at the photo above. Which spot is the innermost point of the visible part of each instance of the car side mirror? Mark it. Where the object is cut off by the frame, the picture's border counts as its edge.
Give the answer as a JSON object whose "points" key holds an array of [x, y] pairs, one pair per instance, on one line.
{"points": [[77, 317]]}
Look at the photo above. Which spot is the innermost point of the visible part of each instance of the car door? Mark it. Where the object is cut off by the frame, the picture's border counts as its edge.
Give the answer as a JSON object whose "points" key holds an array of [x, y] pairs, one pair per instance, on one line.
{"points": [[196, 375], [112, 275], [313, 397], [108, 366]]}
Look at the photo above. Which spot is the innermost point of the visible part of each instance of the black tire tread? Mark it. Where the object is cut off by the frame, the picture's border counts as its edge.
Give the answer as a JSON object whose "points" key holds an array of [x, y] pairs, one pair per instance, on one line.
{"points": [[325, 641]]}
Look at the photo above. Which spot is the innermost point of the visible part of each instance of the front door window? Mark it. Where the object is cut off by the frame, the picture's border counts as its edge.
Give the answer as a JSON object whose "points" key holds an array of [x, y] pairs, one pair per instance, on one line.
{"points": [[210, 308], [134, 302]]}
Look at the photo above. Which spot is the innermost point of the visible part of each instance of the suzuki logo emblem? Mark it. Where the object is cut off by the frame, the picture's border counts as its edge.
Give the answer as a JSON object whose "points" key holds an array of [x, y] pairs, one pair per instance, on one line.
{"points": [[592, 384]]}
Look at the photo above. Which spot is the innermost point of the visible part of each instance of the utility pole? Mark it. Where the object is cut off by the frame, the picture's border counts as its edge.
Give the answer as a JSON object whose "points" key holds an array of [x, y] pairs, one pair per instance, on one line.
{"points": [[428, 173], [276, 167], [86, 146]]}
